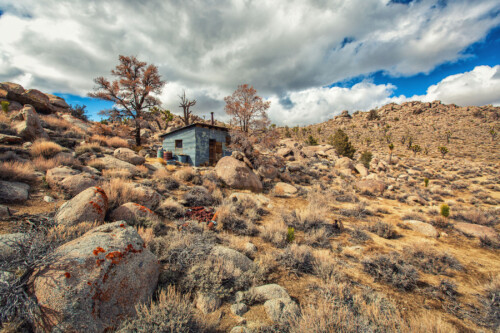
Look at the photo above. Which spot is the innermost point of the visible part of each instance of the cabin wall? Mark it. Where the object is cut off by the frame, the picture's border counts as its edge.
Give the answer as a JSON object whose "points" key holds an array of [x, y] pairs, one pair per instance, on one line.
{"points": [[188, 144], [203, 135]]}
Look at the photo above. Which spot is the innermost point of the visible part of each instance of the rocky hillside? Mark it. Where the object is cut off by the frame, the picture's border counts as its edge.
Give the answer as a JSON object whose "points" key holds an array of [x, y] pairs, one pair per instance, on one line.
{"points": [[98, 236], [465, 131]]}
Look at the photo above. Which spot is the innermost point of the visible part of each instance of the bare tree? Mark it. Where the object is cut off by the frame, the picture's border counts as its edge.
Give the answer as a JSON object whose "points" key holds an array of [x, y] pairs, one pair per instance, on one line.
{"points": [[248, 110], [185, 105], [131, 91]]}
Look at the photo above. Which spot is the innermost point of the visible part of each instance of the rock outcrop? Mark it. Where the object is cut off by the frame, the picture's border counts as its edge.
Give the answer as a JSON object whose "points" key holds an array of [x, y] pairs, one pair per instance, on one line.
{"points": [[88, 206]]}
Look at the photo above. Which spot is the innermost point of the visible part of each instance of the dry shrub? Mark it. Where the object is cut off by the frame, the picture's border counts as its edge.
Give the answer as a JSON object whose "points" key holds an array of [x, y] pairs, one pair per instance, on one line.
{"points": [[359, 210], [319, 237], [383, 230], [91, 147], [296, 259], [234, 217], [101, 129], [217, 196], [198, 196], [441, 222], [17, 171], [44, 164], [430, 261], [185, 174], [338, 308], [358, 236], [55, 123], [171, 209], [172, 312], [142, 171], [275, 232], [45, 148], [117, 173], [66, 233], [429, 322], [413, 216], [97, 163], [392, 269], [162, 174], [240, 244], [119, 191], [100, 139], [117, 142], [327, 267], [477, 216], [74, 132]]}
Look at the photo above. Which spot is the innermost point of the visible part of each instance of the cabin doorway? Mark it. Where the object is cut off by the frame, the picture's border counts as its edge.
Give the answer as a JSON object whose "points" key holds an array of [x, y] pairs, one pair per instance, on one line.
{"points": [[214, 151]]}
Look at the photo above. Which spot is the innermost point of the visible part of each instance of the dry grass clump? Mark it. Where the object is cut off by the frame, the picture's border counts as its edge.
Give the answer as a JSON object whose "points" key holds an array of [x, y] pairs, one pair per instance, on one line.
{"points": [[477, 216], [162, 174], [171, 209], [359, 210], [90, 147], [275, 232], [392, 269], [358, 236], [431, 262], [198, 196], [319, 237], [56, 123], [97, 163], [17, 171], [383, 230], [64, 233], [100, 139], [240, 244], [142, 171], [119, 191], [338, 308], [44, 164], [45, 148], [296, 259], [147, 234], [185, 174], [117, 173], [172, 312], [117, 142]]}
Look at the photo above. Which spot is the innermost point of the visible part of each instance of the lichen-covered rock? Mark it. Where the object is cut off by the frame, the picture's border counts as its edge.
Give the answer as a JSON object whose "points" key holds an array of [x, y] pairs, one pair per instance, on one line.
{"points": [[132, 213], [128, 155], [88, 206], [236, 174], [13, 191], [239, 308], [263, 293], [344, 163], [111, 162], [96, 281]]}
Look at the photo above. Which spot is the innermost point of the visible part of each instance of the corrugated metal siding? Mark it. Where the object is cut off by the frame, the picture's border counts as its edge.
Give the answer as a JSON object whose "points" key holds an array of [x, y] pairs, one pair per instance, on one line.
{"points": [[195, 143]]}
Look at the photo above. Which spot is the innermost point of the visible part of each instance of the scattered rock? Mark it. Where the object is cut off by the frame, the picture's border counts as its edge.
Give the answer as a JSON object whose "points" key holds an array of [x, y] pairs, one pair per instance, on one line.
{"points": [[10, 139], [263, 293], [111, 162], [13, 191], [75, 184], [422, 227], [281, 309], [132, 213], [344, 163], [267, 172], [476, 230], [284, 152], [284, 190], [370, 186], [144, 195], [361, 169], [237, 175], [415, 199], [128, 155], [96, 281], [207, 303], [48, 199], [238, 259], [239, 329], [239, 309], [88, 206]]}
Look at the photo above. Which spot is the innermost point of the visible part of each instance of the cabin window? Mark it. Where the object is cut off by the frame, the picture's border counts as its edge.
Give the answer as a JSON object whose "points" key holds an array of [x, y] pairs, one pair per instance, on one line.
{"points": [[178, 144]]}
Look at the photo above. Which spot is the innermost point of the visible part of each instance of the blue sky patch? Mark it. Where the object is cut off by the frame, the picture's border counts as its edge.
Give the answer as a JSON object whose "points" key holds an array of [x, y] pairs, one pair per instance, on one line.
{"points": [[94, 105]]}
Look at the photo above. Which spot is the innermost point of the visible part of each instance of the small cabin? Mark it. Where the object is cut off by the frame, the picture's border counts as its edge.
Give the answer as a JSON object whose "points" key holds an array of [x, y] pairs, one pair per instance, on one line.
{"points": [[197, 144]]}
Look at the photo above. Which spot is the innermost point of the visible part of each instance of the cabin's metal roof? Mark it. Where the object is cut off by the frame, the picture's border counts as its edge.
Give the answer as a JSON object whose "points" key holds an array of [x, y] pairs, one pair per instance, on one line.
{"points": [[225, 129]]}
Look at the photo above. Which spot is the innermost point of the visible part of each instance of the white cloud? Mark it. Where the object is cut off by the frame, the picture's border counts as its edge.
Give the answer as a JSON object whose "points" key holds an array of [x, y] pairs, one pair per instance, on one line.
{"points": [[480, 86], [283, 48]]}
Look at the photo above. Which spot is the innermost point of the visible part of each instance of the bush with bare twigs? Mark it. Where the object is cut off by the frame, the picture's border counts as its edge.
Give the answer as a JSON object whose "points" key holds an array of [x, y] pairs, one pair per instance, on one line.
{"points": [[275, 233], [45, 148], [383, 230], [171, 312], [17, 171], [393, 269], [171, 209], [297, 259], [430, 261]]}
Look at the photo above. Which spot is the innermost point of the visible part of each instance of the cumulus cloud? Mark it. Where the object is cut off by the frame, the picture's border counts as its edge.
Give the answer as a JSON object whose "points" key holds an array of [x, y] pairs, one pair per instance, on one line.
{"points": [[480, 86], [283, 48]]}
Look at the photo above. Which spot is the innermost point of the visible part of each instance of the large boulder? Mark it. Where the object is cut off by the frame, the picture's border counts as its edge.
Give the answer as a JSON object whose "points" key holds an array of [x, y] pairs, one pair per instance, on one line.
{"points": [[267, 172], [13, 191], [69, 181], [96, 281], [236, 174], [344, 163], [421, 227], [128, 155], [90, 205], [57, 101], [476, 230], [361, 169], [30, 128], [263, 293], [238, 259], [144, 195], [111, 162], [370, 186], [56, 175], [132, 213]]}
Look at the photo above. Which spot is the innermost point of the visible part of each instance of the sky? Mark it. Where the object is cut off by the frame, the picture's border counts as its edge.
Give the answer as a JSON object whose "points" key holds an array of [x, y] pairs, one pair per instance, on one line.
{"points": [[311, 59]]}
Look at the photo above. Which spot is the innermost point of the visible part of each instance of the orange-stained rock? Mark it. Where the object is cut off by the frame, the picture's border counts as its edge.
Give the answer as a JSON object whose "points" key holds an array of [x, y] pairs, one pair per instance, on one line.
{"points": [[96, 280], [90, 205]]}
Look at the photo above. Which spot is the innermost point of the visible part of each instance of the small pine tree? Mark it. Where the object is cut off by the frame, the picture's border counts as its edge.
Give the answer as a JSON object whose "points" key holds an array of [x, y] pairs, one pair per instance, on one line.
{"points": [[373, 115], [443, 150], [290, 235], [5, 106], [391, 148], [340, 142], [493, 134], [366, 158], [312, 141], [426, 181], [445, 210]]}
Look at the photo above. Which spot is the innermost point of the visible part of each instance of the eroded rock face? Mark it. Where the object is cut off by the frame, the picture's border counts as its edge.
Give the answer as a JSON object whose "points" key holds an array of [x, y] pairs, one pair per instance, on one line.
{"points": [[13, 191], [30, 128], [96, 281], [236, 174], [88, 206]]}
